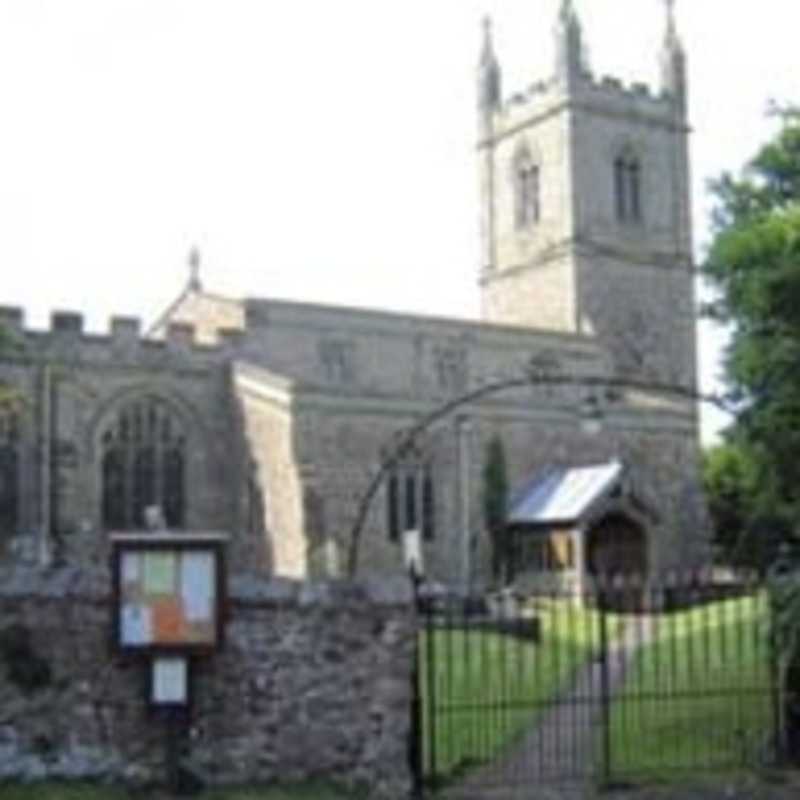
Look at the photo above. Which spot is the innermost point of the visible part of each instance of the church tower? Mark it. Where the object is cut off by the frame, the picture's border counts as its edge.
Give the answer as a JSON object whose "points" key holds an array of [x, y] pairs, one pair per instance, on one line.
{"points": [[585, 206]]}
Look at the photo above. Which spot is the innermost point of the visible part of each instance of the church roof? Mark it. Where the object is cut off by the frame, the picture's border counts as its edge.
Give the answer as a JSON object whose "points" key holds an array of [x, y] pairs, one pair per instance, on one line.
{"points": [[563, 494]]}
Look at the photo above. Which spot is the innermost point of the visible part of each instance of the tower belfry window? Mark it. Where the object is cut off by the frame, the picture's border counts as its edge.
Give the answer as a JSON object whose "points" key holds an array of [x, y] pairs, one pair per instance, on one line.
{"points": [[628, 188], [143, 464], [527, 193]]}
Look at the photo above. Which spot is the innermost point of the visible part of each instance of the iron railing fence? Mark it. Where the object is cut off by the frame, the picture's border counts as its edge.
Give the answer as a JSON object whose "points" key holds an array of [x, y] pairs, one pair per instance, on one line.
{"points": [[624, 681]]}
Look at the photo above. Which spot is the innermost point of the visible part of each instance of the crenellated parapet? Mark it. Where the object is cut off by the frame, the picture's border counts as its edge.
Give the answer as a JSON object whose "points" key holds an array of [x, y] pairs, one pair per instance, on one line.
{"points": [[636, 99], [124, 341], [609, 94]]}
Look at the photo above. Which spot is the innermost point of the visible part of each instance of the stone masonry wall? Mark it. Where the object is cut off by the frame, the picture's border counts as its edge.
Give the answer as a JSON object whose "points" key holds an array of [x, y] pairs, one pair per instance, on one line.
{"points": [[276, 511], [313, 681]]}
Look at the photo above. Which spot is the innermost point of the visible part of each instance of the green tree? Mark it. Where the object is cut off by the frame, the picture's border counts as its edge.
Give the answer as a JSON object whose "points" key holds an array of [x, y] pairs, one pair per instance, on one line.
{"points": [[9, 346], [495, 503], [744, 532], [6, 347], [754, 266]]}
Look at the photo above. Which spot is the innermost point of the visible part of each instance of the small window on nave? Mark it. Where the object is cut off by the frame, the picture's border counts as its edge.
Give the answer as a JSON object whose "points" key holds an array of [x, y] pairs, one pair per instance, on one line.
{"points": [[628, 187], [527, 192], [143, 464], [9, 474], [337, 359], [410, 501]]}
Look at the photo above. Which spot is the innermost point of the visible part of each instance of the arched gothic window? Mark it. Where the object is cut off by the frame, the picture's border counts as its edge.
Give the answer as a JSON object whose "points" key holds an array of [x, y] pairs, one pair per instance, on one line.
{"points": [[143, 464], [628, 187], [9, 474], [527, 191]]}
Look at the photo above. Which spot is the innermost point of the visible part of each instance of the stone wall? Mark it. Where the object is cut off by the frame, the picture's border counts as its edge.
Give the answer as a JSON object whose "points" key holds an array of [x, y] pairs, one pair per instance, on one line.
{"points": [[313, 681], [659, 452], [646, 313], [380, 355]]}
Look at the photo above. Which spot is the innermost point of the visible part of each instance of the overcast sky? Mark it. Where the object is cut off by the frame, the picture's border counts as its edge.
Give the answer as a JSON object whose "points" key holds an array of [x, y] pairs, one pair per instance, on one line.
{"points": [[313, 149]]}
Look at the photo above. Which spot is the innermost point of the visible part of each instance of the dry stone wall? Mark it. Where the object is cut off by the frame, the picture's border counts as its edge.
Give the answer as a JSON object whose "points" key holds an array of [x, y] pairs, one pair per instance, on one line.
{"points": [[313, 681]]}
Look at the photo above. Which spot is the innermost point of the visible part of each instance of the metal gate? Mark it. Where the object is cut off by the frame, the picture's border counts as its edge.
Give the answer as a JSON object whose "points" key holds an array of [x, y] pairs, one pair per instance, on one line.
{"points": [[627, 682]]}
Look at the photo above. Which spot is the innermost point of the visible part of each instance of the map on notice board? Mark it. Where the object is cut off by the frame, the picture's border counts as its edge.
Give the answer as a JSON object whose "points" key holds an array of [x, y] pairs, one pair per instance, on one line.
{"points": [[168, 597]]}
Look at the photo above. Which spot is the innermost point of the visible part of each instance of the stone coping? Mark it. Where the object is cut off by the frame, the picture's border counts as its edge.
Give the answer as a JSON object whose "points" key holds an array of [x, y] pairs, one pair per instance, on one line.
{"points": [[245, 589]]}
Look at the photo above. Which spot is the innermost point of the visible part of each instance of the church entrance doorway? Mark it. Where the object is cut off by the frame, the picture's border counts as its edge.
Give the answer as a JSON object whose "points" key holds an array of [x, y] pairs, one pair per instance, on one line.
{"points": [[617, 545]]}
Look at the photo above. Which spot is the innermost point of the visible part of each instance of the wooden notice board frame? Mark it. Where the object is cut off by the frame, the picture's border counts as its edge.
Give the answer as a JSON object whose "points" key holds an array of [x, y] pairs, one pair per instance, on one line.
{"points": [[178, 545]]}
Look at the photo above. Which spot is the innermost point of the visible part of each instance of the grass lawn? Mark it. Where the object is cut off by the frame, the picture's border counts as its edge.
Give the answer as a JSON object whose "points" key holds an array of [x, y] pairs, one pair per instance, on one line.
{"points": [[487, 688], [87, 791], [699, 695]]}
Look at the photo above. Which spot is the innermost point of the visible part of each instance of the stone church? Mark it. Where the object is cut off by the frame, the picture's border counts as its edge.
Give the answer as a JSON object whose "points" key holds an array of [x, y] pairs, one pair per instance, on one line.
{"points": [[269, 419]]}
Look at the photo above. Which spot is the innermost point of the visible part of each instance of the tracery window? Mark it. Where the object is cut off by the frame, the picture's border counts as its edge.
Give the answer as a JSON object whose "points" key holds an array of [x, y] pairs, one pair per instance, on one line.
{"points": [[9, 473], [527, 192], [411, 503], [628, 187], [143, 464]]}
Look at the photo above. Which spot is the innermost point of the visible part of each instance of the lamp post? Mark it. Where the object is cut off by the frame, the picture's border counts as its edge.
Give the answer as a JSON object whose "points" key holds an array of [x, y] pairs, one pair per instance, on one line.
{"points": [[540, 372], [413, 561]]}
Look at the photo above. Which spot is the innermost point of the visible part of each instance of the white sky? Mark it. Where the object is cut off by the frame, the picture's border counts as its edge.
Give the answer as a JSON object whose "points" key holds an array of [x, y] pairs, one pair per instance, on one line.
{"points": [[313, 149]]}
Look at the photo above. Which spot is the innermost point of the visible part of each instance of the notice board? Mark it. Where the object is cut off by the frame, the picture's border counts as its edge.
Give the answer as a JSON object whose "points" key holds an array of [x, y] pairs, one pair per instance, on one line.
{"points": [[169, 592]]}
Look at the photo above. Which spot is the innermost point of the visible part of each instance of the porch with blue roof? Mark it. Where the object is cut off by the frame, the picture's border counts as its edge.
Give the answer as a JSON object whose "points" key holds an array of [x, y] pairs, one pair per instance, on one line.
{"points": [[567, 523]]}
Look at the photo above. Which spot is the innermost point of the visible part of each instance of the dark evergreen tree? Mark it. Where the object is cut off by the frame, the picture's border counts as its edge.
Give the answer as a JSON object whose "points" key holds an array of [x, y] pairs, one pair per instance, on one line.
{"points": [[495, 504]]}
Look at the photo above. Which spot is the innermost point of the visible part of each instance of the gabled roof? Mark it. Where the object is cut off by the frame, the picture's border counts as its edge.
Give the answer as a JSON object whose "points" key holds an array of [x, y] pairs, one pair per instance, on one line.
{"points": [[563, 494], [208, 313]]}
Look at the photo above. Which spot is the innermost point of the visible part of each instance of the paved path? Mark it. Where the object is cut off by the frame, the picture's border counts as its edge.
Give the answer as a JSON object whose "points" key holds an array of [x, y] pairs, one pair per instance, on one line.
{"points": [[560, 749]]}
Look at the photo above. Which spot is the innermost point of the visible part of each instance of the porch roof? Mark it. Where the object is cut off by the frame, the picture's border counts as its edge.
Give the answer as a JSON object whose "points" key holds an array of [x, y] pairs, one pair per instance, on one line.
{"points": [[563, 494]]}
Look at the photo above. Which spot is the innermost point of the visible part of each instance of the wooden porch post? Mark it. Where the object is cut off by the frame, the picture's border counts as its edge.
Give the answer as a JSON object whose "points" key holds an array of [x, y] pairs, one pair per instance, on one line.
{"points": [[580, 550]]}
